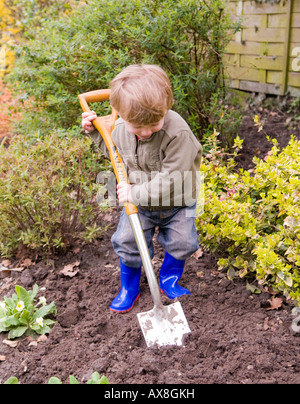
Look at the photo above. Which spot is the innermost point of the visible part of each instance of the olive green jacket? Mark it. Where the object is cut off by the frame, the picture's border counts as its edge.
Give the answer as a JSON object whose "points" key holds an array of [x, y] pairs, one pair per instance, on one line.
{"points": [[164, 169]]}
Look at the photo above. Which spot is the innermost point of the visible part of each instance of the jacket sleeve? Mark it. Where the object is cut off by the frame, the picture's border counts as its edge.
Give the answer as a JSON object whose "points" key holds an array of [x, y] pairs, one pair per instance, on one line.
{"points": [[98, 140]]}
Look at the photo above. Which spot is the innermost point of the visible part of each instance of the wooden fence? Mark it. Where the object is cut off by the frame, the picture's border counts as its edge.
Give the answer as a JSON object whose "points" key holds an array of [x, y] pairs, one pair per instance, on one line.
{"points": [[264, 56]]}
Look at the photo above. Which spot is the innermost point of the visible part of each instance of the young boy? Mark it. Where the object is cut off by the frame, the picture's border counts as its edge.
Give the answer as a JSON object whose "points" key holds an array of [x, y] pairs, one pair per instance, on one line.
{"points": [[162, 157]]}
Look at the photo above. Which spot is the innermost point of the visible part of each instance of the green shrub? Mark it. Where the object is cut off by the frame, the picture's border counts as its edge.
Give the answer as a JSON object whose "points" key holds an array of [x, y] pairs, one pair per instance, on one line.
{"points": [[84, 50], [46, 191], [252, 220]]}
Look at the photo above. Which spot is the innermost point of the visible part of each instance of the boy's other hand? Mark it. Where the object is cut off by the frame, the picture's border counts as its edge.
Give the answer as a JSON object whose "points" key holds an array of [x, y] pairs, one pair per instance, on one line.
{"points": [[87, 118], [123, 191]]}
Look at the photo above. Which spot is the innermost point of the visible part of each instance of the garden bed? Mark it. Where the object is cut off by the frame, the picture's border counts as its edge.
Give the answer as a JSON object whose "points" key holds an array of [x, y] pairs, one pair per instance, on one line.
{"points": [[237, 337]]}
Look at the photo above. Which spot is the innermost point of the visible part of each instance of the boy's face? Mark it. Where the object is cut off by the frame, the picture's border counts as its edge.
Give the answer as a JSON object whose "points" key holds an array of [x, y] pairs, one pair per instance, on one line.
{"points": [[144, 132]]}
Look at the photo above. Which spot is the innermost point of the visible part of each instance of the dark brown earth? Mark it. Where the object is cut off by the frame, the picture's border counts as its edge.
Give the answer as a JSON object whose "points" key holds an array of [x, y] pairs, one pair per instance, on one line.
{"points": [[235, 337]]}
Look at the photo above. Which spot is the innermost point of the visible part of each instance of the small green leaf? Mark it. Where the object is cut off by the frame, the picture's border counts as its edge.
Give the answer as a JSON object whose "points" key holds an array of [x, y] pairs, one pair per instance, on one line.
{"points": [[2, 313], [12, 380], [73, 380], [231, 273], [43, 330], [17, 332], [43, 311], [54, 380], [253, 289], [23, 295], [97, 379], [104, 380], [11, 321], [34, 292]]}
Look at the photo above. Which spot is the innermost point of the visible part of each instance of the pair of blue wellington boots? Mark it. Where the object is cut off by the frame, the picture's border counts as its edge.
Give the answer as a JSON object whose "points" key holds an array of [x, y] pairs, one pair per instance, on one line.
{"points": [[170, 273]]}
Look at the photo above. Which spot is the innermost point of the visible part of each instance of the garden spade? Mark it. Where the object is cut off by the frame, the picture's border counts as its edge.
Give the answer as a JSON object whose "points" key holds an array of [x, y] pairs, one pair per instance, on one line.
{"points": [[163, 325]]}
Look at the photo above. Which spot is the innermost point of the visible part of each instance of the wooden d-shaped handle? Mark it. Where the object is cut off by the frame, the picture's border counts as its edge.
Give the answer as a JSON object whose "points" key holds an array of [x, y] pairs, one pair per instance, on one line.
{"points": [[105, 126]]}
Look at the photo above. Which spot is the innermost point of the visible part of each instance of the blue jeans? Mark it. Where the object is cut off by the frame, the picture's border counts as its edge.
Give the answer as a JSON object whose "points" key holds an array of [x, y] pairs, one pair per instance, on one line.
{"points": [[177, 234]]}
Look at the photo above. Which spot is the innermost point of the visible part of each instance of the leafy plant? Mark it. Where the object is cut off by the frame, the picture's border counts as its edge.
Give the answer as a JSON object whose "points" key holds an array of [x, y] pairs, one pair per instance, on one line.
{"points": [[95, 379], [226, 118], [18, 314], [47, 188], [71, 55], [252, 219], [12, 380], [294, 110]]}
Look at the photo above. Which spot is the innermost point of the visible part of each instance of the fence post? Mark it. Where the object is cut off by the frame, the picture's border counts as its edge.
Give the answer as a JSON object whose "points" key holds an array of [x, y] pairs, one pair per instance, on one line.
{"points": [[285, 68]]}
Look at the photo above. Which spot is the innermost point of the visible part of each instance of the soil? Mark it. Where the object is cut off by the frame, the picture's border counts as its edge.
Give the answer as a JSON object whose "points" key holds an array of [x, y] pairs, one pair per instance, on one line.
{"points": [[236, 337]]}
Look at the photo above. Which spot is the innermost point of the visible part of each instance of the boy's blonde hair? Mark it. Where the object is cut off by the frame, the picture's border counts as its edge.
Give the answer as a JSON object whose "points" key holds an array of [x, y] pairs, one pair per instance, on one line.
{"points": [[141, 94]]}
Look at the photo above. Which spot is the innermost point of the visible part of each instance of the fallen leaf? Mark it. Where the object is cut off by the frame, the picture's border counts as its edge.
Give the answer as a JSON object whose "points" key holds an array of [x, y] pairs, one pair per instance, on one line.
{"points": [[6, 263], [288, 120], [4, 271], [10, 343], [33, 343], [270, 290], [42, 338], [69, 270], [275, 303], [2, 358], [197, 254], [27, 262], [19, 269], [266, 325], [253, 289], [107, 217], [24, 365]]}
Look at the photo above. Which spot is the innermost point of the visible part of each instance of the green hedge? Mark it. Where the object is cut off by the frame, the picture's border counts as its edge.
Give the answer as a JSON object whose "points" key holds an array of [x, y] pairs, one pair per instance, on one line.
{"points": [[84, 49], [251, 220], [47, 193]]}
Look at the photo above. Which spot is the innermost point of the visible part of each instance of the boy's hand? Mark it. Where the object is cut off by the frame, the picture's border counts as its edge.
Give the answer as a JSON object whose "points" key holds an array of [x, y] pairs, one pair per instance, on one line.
{"points": [[123, 191], [87, 118]]}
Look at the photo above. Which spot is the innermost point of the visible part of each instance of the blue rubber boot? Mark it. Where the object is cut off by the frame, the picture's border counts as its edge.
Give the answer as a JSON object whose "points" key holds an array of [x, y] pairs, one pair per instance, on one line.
{"points": [[130, 289], [170, 273]]}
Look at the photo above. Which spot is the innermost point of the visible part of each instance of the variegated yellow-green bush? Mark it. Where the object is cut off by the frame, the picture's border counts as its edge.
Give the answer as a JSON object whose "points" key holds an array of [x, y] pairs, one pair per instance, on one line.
{"points": [[251, 220]]}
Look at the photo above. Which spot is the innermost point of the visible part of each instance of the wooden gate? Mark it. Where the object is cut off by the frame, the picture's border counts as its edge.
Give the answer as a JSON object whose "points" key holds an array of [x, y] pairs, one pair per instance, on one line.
{"points": [[264, 56]]}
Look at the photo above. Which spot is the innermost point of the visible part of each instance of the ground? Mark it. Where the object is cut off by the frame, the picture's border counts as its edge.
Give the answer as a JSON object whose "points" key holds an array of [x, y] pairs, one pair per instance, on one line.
{"points": [[236, 337]]}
